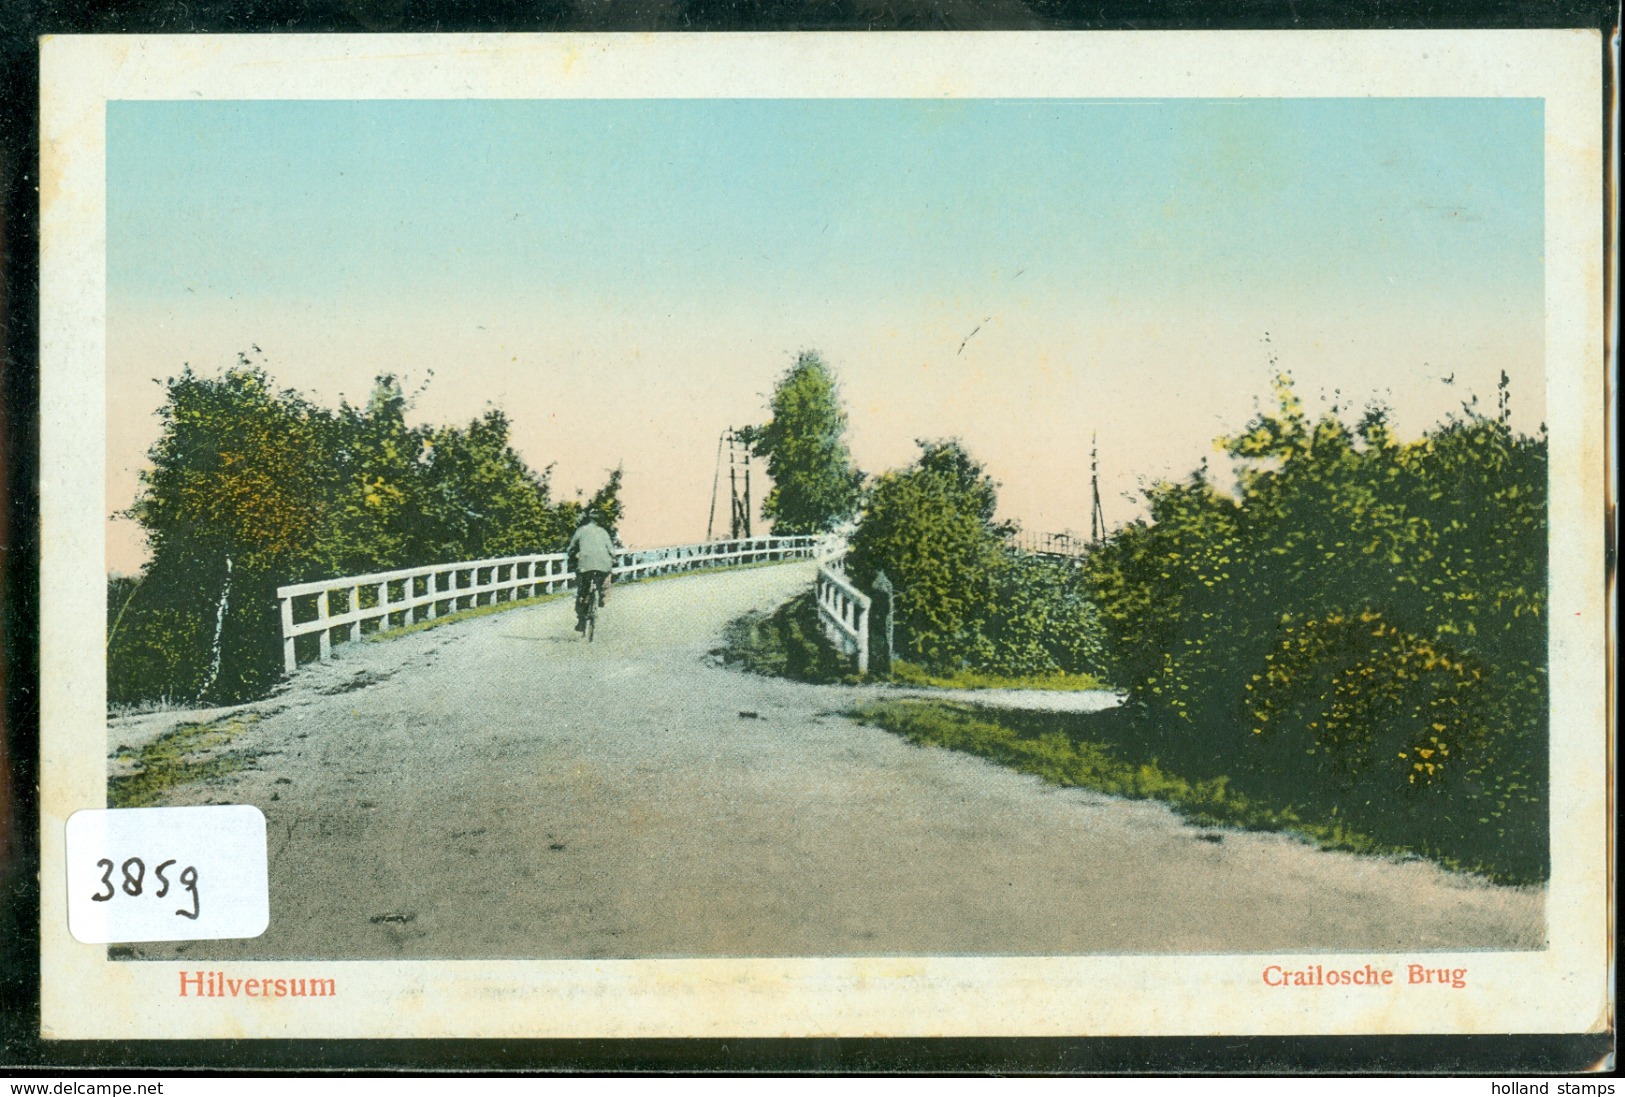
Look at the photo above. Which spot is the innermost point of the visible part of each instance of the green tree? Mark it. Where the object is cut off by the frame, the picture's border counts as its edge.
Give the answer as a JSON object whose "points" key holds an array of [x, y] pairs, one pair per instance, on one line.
{"points": [[376, 515], [483, 500], [239, 470], [240, 477], [606, 504], [930, 528], [250, 488], [816, 487]]}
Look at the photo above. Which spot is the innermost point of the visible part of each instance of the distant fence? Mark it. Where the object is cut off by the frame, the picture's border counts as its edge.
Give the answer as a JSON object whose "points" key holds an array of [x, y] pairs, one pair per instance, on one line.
{"points": [[1054, 545], [844, 611], [337, 610]]}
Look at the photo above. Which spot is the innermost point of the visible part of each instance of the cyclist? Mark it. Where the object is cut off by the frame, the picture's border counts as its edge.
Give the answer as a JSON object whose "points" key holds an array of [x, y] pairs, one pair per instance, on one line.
{"points": [[595, 559]]}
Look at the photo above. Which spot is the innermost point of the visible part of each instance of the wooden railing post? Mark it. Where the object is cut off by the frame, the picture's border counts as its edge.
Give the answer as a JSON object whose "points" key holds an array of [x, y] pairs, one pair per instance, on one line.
{"points": [[290, 659], [324, 638], [845, 612], [861, 627]]}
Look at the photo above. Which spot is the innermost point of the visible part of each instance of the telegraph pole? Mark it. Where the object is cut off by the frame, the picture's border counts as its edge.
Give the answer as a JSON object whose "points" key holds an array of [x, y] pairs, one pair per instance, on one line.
{"points": [[739, 508], [716, 475], [1097, 518], [745, 509], [733, 487]]}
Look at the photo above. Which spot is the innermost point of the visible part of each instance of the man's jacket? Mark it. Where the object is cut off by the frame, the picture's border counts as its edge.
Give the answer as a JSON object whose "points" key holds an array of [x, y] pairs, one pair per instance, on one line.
{"points": [[595, 551]]}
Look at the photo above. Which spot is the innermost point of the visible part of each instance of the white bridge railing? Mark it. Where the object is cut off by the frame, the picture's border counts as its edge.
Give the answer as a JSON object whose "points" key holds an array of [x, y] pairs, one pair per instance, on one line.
{"points": [[844, 611], [337, 610]]}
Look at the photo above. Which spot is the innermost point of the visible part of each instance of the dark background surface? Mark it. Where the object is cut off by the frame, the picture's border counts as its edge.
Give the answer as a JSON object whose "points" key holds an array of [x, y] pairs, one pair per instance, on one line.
{"points": [[22, 21], [24, 18]]}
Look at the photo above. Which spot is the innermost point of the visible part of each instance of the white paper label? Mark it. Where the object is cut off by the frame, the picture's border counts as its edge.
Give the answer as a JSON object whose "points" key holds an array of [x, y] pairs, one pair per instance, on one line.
{"points": [[167, 874]]}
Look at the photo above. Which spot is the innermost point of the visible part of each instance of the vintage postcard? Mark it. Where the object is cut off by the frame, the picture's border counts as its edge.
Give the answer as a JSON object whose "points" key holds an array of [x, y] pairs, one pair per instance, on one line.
{"points": [[801, 535]]}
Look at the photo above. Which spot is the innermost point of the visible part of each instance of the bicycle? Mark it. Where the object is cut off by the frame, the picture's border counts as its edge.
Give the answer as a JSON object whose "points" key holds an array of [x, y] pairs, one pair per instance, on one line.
{"points": [[589, 595]]}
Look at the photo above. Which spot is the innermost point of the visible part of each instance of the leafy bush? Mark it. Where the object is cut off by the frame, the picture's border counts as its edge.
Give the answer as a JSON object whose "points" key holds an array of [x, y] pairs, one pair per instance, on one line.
{"points": [[965, 599], [930, 528], [250, 488], [165, 648], [1372, 702], [1363, 615], [1042, 621]]}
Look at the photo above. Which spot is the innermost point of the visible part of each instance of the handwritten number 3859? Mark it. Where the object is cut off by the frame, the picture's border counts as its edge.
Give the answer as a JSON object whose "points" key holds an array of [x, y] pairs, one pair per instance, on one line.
{"points": [[134, 872]]}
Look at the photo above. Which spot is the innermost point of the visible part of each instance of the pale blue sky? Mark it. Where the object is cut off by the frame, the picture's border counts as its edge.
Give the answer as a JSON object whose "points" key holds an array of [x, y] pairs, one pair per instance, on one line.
{"points": [[626, 278], [674, 201]]}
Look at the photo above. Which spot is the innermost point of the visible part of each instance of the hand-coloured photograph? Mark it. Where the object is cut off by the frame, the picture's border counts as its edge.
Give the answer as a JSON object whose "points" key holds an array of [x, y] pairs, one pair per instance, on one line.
{"points": [[677, 538]]}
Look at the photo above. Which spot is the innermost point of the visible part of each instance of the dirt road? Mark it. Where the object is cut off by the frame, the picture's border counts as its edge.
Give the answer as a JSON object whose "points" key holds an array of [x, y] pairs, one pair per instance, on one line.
{"points": [[499, 788]]}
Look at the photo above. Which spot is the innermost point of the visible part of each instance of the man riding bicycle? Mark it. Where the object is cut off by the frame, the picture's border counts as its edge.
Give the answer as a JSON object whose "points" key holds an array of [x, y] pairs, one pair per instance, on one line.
{"points": [[594, 554]]}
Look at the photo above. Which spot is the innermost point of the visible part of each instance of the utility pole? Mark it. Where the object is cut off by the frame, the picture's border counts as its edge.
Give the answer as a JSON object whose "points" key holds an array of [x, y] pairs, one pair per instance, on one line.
{"points": [[745, 509], [733, 487], [739, 508], [716, 475], [1097, 518]]}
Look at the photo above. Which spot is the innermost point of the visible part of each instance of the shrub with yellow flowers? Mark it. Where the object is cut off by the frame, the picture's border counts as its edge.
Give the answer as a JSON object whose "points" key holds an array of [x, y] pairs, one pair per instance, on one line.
{"points": [[1355, 622], [1367, 701]]}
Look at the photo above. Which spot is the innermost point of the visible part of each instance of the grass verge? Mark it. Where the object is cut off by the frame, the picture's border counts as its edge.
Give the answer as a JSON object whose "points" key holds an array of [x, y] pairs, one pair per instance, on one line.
{"points": [[183, 755], [910, 675], [1101, 751]]}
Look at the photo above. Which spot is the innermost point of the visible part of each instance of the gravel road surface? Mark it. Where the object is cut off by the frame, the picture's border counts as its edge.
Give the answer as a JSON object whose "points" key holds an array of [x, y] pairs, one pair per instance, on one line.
{"points": [[499, 788]]}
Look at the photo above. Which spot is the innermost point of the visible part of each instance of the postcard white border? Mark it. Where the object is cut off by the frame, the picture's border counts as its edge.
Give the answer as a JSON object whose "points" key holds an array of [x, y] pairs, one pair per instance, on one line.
{"points": [[1563, 988]]}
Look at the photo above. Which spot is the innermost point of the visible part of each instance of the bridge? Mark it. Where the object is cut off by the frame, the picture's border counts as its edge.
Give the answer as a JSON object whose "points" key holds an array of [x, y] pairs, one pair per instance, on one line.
{"points": [[321, 614], [495, 788], [327, 612]]}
